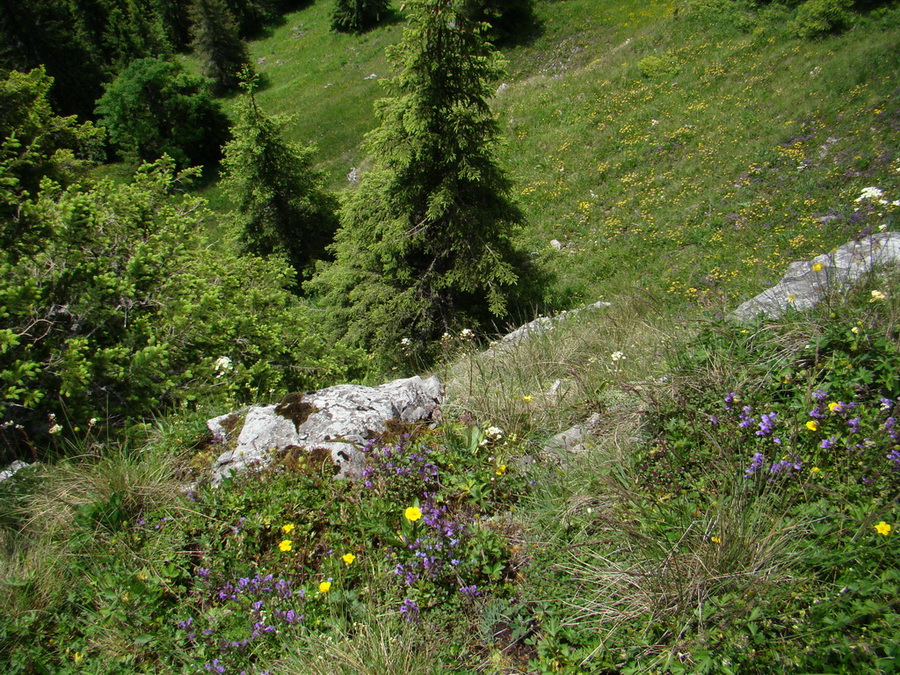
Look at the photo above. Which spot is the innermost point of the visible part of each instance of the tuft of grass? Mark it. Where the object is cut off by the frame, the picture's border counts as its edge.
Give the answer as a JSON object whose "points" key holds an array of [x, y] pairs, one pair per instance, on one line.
{"points": [[373, 646], [563, 370]]}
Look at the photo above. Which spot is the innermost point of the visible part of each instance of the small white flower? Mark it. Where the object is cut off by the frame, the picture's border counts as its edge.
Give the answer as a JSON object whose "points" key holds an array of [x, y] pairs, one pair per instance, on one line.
{"points": [[466, 334], [494, 432], [92, 422], [406, 342], [870, 193], [55, 429], [223, 364], [617, 356]]}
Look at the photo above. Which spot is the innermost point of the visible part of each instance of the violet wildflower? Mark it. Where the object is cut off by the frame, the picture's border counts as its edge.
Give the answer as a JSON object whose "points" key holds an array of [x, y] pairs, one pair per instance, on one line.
{"points": [[746, 419], [886, 404], [820, 395], [854, 425], [215, 666], [828, 443], [729, 399], [203, 572], [755, 464], [767, 424], [410, 610], [470, 591]]}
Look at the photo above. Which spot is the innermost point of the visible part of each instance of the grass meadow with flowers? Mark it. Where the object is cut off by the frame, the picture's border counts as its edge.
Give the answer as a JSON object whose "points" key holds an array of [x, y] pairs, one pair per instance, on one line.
{"points": [[736, 506]]}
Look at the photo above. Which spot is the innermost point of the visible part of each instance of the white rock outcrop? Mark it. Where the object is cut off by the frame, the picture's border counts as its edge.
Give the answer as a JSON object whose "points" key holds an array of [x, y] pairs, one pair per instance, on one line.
{"points": [[339, 419]]}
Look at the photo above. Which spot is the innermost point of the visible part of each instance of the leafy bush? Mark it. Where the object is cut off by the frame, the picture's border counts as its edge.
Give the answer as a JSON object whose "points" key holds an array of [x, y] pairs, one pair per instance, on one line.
{"points": [[124, 310], [154, 108], [819, 17], [356, 16]]}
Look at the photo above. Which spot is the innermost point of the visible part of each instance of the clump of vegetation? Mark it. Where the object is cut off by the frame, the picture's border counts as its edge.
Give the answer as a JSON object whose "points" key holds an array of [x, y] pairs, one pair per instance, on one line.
{"points": [[154, 108], [282, 207], [356, 16], [424, 246]]}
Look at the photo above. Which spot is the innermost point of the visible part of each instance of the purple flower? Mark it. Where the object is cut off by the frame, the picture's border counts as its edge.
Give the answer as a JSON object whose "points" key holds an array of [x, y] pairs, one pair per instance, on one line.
{"points": [[203, 572], [729, 399], [767, 424], [470, 591], [894, 456], [713, 420], [854, 425], [410, 610], [820, 395], [817, 413], [828, 443], [214, 666], [886, 404], [186, 623], [746, 420], [755, 464]]}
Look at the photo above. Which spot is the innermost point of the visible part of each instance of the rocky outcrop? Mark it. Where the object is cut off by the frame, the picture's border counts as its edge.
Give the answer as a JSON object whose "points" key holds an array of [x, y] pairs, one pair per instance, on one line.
{"points": [[808, 282], [338, 419], [540, 325]]}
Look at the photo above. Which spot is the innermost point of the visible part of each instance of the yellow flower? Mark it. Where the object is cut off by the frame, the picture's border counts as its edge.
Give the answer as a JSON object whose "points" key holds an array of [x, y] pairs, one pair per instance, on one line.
{"points": [[876, 296], [348, 558], [883, 528], [285, 545], [287, 529], [815, 471], [527, 399], [412, 514], [817, 267], [77, 656], [855, 330], [324, 587], [836, 406], [812, 425], [500, 470], [715, 540]]}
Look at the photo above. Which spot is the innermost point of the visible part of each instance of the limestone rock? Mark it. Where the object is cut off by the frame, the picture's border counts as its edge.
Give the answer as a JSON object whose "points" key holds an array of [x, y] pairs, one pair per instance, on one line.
{"points": [[339, 419], [806, 283], [539, 325], [12, 469]]}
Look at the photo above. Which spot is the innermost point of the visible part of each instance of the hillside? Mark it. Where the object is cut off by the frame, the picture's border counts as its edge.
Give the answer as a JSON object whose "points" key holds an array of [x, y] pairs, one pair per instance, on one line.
{"points": [[724, 498], [703, 146]]}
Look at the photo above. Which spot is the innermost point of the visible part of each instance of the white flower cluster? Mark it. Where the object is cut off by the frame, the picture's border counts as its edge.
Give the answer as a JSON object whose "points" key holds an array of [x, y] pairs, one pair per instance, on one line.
{"points": [[875, 194], [618, 356], [223, 365]]}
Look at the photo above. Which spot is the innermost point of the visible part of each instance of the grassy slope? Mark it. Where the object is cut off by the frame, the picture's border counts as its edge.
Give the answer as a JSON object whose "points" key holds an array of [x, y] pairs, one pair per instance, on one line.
{"points": [[701, 182]]}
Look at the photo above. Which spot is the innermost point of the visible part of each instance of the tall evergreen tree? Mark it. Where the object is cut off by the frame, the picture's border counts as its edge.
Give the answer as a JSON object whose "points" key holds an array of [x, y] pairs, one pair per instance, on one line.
{"points": [[281, 204], [216, 38], [355, 16], [424, 246]]}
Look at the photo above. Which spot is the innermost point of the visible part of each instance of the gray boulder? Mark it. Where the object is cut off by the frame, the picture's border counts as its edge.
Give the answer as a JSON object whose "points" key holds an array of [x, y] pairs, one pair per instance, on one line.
{"points": [[13, 469], [338, 419], [806, 283]]}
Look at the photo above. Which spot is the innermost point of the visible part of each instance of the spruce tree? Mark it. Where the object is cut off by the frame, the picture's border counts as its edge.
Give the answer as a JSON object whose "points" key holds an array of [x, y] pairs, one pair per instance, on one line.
{"points": [[356, 16], [424, 246], [216, 39], [281, 204]]}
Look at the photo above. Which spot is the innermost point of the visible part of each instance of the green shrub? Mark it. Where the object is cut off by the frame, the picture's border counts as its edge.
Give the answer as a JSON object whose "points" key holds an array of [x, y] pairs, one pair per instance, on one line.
{"points": [[819, 17], [125, 310], [154, 108], [658, 67], [356, 16]]}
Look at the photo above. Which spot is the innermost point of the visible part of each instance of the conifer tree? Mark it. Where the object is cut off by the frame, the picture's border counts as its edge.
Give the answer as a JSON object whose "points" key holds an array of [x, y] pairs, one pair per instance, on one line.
{"points": [[217, 40], [281, 204], [424, 246], [356, 16]]}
